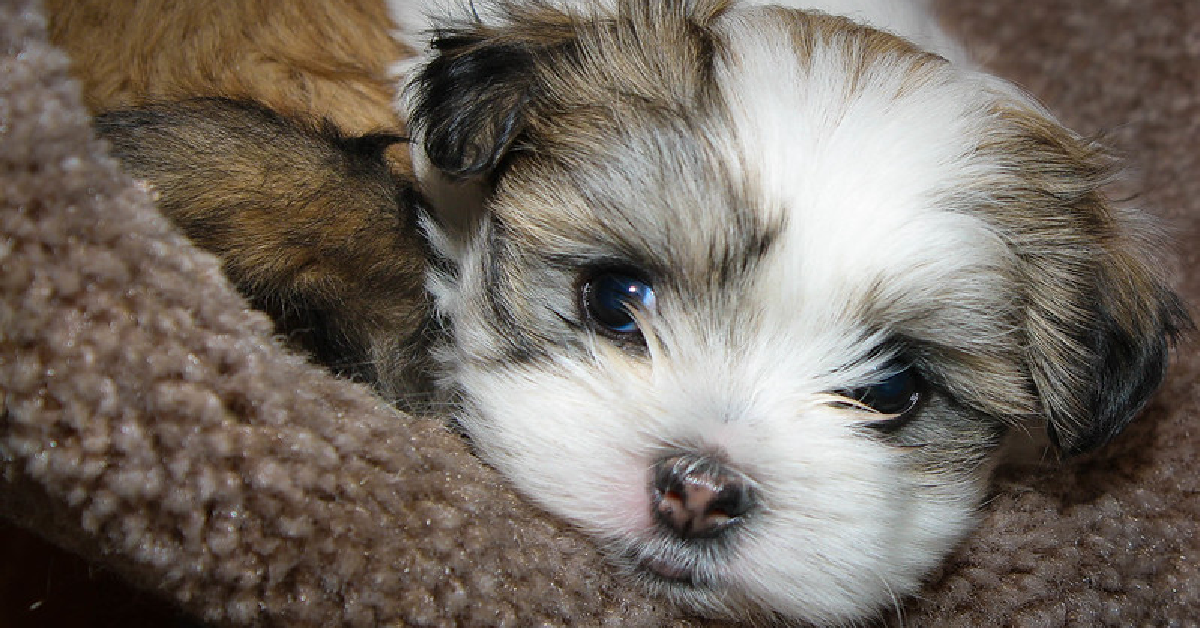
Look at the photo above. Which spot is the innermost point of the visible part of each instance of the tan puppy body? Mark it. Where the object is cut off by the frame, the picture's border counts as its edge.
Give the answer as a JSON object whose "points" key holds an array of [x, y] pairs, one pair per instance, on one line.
{"points": [[312, 225], [303, 59], [307, 219]]}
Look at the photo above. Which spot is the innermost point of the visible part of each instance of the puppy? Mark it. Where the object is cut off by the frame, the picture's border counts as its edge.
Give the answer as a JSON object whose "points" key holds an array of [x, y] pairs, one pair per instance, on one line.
{"points": [[311, 225], [753, 293]]}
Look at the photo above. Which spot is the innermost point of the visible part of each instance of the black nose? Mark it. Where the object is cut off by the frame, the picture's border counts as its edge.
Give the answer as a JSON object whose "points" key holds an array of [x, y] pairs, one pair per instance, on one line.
{"points": [[698, 496]]}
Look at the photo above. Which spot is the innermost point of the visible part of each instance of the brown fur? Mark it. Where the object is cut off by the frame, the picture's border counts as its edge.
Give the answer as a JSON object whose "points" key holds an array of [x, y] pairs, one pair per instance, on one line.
{"points": [[315, 236], [868, 45], [1122, 294], [327, 59], [1098, 320], [310, 224]]}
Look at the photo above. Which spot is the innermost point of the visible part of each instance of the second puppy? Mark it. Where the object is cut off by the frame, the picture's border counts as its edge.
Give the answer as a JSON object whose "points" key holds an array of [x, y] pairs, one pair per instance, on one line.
{"points": [[312, 225]]}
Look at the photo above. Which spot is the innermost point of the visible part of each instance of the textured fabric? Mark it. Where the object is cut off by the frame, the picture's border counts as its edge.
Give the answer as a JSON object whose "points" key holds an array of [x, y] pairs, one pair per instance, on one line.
{"points": [[150, 423]]}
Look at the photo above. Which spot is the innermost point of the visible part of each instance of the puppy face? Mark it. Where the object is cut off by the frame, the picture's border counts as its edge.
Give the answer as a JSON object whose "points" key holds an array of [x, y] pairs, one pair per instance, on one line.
{"points": [[756, 292]]}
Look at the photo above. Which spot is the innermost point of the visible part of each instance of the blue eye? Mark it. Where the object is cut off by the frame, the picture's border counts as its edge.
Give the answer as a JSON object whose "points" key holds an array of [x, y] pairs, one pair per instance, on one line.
{"points": [[610, 297], [896, 394]]}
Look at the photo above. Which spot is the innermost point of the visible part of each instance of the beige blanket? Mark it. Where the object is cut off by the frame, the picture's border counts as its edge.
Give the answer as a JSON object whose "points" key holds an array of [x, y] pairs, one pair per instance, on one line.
{"points": [[150, 422]]}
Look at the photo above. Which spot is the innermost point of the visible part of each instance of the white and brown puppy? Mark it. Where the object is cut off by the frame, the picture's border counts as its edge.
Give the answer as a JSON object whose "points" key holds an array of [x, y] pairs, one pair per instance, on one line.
{"points": [[754, 293]]}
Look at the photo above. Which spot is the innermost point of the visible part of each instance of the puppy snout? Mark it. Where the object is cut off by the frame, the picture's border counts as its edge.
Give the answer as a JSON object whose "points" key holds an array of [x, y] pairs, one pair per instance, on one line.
{"points": [[698, 496]]}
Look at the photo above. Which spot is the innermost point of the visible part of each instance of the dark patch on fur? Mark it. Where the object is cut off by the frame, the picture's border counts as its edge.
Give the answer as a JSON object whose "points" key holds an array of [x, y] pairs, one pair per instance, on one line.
{"points": [[472, 100], [1098, 321], [470, 106], [487, 85], [1127, 368], [522, 343]]}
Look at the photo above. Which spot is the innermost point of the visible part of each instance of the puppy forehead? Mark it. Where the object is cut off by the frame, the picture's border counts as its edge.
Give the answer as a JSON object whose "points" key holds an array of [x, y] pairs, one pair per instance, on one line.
{"points": [[824, 147], [838, 121], [862, 146], [661, 201]]}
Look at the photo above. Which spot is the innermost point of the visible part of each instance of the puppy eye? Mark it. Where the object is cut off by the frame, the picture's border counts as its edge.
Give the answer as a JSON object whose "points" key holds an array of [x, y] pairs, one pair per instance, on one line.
{"points": [[609, 299], [897, 394]]}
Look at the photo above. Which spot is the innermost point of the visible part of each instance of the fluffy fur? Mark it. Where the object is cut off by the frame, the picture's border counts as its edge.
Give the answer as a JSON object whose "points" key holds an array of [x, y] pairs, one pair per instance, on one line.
{"points": [[311, 224], [309, 60], [813, 202], [269, 132]]}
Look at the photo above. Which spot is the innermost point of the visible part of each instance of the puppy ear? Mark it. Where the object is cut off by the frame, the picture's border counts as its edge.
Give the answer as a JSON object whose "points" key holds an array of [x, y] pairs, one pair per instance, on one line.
{"points": [[1122, 356], [1099, 323], [471, 101]]}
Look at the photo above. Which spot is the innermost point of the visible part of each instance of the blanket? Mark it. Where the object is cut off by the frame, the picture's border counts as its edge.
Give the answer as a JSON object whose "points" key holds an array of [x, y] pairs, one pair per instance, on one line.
{"points": [[152, 425]]}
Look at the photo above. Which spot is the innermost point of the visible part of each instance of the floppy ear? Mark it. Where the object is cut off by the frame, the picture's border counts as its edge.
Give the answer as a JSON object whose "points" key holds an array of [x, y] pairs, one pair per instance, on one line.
{"points": [[1099, 322], [471, 101], [1123, 349]]}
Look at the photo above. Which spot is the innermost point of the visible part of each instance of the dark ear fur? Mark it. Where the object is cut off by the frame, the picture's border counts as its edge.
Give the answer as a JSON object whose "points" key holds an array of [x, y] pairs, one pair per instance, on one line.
{"points": [[1124, 363], [470, 102], [1099, 326], [1098, 320]]}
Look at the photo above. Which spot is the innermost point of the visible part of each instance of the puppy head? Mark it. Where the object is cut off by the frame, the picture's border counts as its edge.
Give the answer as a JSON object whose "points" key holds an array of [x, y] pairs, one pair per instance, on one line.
{"points": [[756, 292]]}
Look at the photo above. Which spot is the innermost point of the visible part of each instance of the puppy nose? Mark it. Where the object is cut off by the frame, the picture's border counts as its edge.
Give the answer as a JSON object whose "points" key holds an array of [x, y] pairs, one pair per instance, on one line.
{"points": [[698, 496]]}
